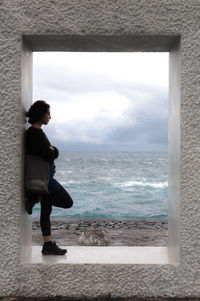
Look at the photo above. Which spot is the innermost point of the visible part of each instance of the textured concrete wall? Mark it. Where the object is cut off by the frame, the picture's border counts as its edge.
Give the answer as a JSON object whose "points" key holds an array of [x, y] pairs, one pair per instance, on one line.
{"points": [[84, 18]]}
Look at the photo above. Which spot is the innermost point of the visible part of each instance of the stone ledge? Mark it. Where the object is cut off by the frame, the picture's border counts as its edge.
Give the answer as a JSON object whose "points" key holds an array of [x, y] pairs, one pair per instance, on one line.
{"points": [[110, 255]]}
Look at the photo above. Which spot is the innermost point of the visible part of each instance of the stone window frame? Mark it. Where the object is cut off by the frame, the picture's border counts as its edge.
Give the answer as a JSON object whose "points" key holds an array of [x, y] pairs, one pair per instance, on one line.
{"points": [[118, 43]]}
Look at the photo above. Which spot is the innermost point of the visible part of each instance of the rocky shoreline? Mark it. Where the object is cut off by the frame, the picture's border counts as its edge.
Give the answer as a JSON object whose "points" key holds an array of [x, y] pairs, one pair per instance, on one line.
{"points": [[123, 231]]}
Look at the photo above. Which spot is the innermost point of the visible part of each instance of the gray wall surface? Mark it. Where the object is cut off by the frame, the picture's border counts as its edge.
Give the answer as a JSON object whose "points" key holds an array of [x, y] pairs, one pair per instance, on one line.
{"points": [[54, 25]]}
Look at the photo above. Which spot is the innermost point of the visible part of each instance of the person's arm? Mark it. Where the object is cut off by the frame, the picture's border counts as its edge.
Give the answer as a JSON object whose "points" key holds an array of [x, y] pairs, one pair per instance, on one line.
{"points": [[56, 151], [41, 146]]}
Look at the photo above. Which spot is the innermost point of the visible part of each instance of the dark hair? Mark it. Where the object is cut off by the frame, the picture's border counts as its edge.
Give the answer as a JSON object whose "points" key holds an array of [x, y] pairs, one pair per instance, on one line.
{"points": [[37, 110]]}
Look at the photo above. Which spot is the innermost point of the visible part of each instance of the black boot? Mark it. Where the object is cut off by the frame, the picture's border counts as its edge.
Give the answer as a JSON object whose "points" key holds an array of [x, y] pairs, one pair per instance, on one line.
{"points": [[50, 248]]}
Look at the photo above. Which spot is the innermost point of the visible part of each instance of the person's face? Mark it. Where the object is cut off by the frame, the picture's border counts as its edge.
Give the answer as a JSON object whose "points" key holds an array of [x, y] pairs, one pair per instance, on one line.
{"points": [[46, 117]]}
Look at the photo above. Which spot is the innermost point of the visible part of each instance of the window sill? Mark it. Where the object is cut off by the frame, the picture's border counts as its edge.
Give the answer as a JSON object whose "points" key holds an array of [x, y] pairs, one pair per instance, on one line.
{"points": [[102, 255]]}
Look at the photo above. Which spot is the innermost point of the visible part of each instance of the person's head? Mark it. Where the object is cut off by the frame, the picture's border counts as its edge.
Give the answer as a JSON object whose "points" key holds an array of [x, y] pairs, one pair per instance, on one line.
{"points": [[39, 112]]}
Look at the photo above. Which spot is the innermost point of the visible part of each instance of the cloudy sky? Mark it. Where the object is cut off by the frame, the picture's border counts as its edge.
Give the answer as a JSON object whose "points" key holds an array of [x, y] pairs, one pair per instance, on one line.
{"points": [[104, 101]]}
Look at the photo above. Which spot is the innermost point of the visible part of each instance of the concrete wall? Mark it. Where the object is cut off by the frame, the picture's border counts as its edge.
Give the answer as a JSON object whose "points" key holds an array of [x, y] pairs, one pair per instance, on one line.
{"points": [[154, 25]]}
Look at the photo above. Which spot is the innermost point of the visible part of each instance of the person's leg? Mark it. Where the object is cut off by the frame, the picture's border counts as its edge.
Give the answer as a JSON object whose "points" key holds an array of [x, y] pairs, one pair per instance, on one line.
{"points": [[49, 247], [46, 209], [60, 198]]}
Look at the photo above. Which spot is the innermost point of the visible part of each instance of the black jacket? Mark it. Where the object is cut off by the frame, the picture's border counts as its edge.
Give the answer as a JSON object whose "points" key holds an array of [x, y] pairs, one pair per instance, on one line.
{"points": [[38, 159], [37, 143]]}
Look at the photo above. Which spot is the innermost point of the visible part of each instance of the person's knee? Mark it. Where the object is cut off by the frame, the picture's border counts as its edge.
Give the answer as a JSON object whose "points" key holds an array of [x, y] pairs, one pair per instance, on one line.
{"points": [[68, 203]]}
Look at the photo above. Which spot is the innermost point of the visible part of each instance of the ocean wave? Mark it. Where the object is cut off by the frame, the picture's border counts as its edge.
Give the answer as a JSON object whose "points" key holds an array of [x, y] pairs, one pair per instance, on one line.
{"points": [[63, 172], [138, 183], [69, 182]]}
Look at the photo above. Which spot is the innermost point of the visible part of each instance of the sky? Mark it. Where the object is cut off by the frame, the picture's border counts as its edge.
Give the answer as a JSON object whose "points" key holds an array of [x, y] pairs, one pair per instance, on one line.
{"points": [[104, 101]]}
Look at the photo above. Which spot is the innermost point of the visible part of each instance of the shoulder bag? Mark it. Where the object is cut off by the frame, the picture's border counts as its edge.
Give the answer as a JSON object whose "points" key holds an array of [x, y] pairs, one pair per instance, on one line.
{"points": [[37, 174]]}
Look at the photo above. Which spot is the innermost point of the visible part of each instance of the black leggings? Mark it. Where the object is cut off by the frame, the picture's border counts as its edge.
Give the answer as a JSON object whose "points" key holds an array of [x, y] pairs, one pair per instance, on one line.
{"points": [[59, 198]]}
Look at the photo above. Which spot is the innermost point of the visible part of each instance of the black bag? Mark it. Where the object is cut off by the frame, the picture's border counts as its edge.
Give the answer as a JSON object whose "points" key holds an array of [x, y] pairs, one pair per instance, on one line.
{"points": [[37, 174]]}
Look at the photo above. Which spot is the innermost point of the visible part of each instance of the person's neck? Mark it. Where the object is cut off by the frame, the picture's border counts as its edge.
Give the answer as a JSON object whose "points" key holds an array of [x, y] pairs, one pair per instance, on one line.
{"points": [[37, 125]]}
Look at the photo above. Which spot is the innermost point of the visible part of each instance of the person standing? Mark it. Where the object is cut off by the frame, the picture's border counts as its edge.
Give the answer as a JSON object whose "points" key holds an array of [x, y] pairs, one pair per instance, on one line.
{"points": [[37, 143]]}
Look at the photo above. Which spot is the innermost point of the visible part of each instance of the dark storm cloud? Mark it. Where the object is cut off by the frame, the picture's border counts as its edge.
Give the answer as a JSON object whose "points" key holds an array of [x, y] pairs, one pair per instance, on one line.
{"points": [[94, 109]]}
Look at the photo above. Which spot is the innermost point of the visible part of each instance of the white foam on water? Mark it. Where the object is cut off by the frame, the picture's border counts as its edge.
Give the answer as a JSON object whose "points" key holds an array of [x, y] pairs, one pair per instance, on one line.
{"points": [[69, 182], [63, 172], [138, 183]]}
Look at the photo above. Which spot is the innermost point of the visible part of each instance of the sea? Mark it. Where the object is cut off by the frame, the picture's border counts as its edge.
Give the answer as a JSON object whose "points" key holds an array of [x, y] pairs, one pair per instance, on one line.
{"points": [[112, 185]]}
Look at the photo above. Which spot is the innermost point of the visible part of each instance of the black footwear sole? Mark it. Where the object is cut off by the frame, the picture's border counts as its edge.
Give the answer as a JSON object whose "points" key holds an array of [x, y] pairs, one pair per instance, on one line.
{"points": [[50, 248], [50, 253]]}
